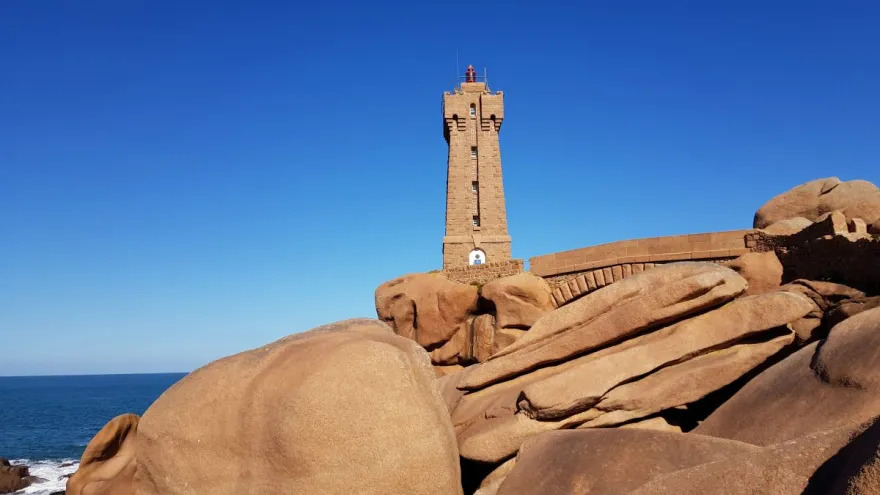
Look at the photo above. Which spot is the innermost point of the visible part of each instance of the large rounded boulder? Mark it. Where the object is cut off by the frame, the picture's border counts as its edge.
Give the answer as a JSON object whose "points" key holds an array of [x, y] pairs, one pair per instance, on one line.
{"points": [[519, 299], [789, 226], [855, 199], [345, 408], [426, 307]]}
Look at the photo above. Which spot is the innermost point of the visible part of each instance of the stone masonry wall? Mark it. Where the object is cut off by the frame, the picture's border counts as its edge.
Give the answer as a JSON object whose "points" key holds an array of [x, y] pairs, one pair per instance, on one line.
{"points": [[578, 272], [848, 259], [481, 274], [835, 248], [496, 252], [834, 224], [707, 246]]}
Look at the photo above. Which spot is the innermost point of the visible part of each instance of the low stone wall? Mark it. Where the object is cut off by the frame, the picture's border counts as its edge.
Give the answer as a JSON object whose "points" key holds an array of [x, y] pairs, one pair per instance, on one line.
{"points": [[849, 259], [834, 224], [835, 248], [481, 274], [578, 272], [707, 246]]}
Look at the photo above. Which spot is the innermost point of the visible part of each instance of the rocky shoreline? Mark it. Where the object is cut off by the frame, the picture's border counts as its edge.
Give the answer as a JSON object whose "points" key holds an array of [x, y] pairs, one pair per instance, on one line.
{"points": [[759, 374], [32, 476], [13, 477]]}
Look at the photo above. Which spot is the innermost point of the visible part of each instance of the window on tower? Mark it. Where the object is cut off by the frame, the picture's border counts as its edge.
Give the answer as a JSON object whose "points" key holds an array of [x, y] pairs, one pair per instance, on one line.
{"points": [[473, 110], [476, 220], [473, 151], [475, 186]]}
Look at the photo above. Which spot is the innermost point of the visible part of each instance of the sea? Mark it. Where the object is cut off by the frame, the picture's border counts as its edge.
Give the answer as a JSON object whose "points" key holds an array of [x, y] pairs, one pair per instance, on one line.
{"points": [[47, 421]]}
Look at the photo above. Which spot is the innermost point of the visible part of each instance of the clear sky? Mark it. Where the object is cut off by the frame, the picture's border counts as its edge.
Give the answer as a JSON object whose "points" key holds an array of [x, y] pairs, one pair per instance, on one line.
{"points": [[181, 180]]}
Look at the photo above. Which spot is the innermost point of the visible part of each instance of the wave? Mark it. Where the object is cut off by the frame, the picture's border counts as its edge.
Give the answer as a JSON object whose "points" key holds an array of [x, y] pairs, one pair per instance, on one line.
{"points": [[52, 475]]}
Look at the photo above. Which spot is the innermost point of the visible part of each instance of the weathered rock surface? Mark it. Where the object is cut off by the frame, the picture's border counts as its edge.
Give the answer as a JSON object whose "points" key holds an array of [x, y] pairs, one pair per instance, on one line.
{"points": [[504, 337], [654, 370], [109, 463], [621, 310], [686, 382], [498, 474], [818, 388], [855, 469], [490, 489], [856, 199], [458, 350], [762, 271], [583, 386], [13, 478], [842, 460], [442, 371], [425, 307], [452, 321], [824, 296], [344, 408], [657, 423], [848, 308], [474, 341], [609, 460], [794, 467], [519, 299], [788, 226], [483, 329]]}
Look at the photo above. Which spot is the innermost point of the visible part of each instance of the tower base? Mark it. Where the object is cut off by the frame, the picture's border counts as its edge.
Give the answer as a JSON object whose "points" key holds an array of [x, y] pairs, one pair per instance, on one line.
{"points": [[462, 251], [482, 274]]}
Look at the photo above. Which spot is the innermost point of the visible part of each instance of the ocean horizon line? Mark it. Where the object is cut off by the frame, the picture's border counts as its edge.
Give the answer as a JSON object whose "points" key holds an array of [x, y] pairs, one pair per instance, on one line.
{"points": [[56, 375]]}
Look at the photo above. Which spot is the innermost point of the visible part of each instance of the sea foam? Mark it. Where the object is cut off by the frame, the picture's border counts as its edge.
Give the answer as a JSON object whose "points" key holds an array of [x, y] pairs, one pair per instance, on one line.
{"points": [[53, 475]]}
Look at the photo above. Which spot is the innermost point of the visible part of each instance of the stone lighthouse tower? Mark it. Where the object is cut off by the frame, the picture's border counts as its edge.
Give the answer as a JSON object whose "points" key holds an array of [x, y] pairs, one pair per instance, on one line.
{"points": [[476, 218]]}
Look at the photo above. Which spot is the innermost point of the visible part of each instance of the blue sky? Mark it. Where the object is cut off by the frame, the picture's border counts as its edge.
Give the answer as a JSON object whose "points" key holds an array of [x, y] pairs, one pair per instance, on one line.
{"points": [[184, 180]]}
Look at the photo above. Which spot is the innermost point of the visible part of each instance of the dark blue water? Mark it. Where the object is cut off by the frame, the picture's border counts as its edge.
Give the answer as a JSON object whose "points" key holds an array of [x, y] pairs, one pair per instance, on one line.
{"points": [[54, 417]]}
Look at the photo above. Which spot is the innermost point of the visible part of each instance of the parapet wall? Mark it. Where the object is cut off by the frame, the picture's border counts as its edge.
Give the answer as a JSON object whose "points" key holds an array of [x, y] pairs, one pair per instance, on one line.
{"points": [[481, 274], [578, 272], [833, 248], [708, 246]]}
